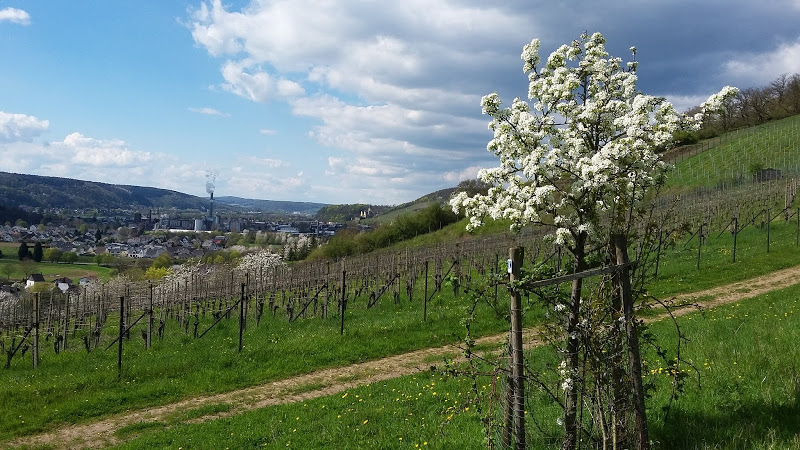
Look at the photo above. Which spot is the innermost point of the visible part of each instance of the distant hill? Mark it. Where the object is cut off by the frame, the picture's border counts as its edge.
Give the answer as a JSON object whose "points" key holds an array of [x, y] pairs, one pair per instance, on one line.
{"points": [[10, 214], [54, 192], [274, 206]]}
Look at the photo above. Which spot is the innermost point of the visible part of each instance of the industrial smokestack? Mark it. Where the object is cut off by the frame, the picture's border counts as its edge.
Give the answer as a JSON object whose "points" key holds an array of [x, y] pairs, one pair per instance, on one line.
{"points": [[210, 178]]}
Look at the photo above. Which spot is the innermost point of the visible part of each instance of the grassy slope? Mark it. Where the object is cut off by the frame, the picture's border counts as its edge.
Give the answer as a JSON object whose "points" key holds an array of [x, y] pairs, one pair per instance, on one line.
{"points": [[77, 386], [774, 144], [744, 394]]}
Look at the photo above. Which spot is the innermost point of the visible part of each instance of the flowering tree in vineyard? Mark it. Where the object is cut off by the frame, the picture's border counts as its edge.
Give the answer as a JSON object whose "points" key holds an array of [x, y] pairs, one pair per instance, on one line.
{"points": [[581, 161]]}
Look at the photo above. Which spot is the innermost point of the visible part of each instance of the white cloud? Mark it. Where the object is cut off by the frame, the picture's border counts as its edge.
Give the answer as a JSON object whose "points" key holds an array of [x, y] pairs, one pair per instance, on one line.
{"points": [[251, 82], [81, 157], [267, 132], [82, 150], [392, 84], [392, 89], [15, 15], [757, 69], [683, 103], [20, 127], [257, 184], [254, 162], [209, 112], [457, 176]]}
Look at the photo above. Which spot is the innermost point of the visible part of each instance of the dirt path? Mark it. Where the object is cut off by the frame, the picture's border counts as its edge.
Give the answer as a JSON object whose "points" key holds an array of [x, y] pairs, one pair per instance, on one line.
{"points": [[331, 381]]}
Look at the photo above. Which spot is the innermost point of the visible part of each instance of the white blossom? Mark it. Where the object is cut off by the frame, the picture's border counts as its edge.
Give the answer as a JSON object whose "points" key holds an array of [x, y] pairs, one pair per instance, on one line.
{"points": [[572, 158]]}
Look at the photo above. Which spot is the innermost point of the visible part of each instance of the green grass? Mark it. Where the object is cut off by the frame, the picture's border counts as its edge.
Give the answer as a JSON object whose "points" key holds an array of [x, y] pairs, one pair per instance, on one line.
{"points": [[195, 413], [394, 213], [76, 386], [51, 271], [678, 268], [136, 428], [9, 249], [455, 232], [746, 395], [407, 412]]}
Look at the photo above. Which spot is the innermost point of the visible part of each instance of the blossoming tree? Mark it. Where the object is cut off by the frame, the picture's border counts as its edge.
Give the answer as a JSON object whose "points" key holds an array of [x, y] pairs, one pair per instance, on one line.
{"points": [[580, 160]]}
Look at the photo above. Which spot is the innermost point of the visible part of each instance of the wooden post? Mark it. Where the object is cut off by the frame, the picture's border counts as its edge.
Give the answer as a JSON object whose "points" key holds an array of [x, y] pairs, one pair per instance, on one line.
{"points": [[66, 324], [769, 220], [457, 271], [494, 271], [735, 234], [35, 324], [699, 244], [149, 338], [508, 409], [343, 301], [425, 304], [515, 256], [658, 251], [241, 318], [121, 333], [634, 356]]}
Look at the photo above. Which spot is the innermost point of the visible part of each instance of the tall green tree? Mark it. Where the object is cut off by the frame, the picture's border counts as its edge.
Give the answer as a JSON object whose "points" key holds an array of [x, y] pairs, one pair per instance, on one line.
{"points": [[52, 254], [38, 252], [24, 251], [69, 257]]}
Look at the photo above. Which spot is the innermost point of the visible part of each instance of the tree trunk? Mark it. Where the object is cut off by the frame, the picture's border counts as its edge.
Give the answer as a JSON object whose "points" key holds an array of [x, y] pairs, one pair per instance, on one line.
{"points": [[634, 357], [573, 350], [619, 409]]}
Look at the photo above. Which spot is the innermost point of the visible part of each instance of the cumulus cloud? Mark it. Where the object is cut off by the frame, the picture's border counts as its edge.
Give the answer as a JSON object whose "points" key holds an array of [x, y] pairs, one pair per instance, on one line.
{"points": [[683, 103], [209, 112], [252, 82], [15, 15], [83, 150], [392, 89], [20, 127], [756, 69], [384, 79], [265, 185], [83, 157]]}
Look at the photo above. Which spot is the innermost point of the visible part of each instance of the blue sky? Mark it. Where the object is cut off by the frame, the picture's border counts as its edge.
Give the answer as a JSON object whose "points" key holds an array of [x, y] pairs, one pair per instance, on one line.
{"points": [[328, 101]]}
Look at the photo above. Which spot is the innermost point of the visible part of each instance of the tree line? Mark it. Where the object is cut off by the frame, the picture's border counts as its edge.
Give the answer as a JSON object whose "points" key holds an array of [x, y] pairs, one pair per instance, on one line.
{"points": [[406, 226], [749, 107]]}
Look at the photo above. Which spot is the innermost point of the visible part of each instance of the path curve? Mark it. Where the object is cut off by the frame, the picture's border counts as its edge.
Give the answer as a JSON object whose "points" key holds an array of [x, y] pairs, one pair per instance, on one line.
{"points": [[331, 381]]}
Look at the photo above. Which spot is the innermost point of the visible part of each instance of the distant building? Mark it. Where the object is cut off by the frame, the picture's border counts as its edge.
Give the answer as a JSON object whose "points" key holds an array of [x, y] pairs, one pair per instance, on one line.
{"points": [[288, 229], [63, 284], [767, 174], [33, 279]]}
